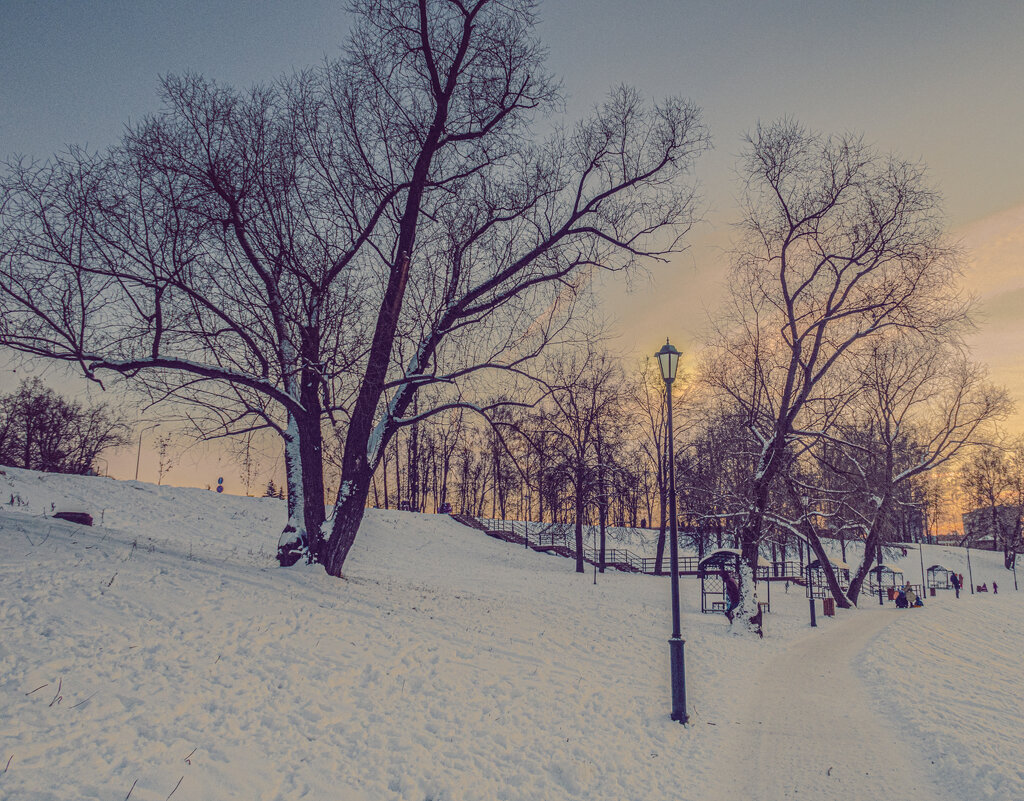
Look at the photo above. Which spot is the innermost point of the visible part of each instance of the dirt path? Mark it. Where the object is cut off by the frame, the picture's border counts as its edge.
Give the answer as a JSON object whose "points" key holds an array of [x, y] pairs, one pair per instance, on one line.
{"points": [[809, 731]]}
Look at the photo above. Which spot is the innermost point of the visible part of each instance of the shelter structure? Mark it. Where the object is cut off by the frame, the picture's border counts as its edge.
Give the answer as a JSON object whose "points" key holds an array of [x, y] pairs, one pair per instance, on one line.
{"points": [[937, 577], [817, 585], [712, 571], [886, 575]]}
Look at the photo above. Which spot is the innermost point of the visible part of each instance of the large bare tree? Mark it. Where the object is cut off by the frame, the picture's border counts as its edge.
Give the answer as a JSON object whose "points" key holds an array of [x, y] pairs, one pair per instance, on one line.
{"points": [[918, 404], [333, 244], [584, 397], [837, 243]]}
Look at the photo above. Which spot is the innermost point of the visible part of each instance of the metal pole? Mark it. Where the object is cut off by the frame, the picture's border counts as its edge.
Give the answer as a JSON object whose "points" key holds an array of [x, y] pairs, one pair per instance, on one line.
{"points": [[138, 455], [526, 525], [814, 622], [970, 575], [920, 550], [880, 601], [677, 643]]}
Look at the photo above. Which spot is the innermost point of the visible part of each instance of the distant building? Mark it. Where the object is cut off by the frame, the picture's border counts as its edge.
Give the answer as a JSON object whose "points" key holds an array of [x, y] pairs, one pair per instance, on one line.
{"points": [[987, 532]]}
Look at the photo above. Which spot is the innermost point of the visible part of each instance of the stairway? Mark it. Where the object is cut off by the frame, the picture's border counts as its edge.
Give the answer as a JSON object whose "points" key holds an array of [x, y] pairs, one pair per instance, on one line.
{"points": [[468, 520], [545, 545]]}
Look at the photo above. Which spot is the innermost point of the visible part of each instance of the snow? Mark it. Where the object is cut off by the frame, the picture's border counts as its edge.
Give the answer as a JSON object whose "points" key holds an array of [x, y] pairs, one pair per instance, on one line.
{"points": [[161, 653]]}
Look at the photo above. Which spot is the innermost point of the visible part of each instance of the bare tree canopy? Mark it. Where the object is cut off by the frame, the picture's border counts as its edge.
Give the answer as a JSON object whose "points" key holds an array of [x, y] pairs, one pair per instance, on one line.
{"points": [[40, 430], [327, 247], [837, 244]]}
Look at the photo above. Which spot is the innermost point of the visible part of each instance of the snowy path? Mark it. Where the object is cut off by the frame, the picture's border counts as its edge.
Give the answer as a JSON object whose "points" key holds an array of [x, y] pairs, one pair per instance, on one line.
{"points": [[801, 709]]}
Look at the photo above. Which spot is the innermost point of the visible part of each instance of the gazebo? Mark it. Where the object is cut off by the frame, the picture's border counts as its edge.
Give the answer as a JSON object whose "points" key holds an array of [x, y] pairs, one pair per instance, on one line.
{"points": [[817, 586], [938, 577], [712, 570], [886, 575]]}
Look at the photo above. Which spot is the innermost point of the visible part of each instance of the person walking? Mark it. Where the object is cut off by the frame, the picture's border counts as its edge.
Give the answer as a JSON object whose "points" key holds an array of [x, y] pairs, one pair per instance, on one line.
{"points": [[995, 588], [954, 579]]}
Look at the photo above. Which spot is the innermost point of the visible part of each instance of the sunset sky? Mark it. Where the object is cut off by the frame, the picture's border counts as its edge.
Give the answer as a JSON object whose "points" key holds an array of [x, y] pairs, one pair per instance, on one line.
{"points": [[934, 80]]}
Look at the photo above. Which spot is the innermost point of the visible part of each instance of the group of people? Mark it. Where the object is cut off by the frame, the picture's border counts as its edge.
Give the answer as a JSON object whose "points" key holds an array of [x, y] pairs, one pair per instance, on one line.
{"points": [[907, 598]]}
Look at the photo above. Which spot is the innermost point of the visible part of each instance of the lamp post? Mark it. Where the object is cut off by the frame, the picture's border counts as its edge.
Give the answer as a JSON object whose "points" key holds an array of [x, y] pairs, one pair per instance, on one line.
{"points": [[668, 361], [138, 455], [920, 552], [880, 601], [526, 522]]}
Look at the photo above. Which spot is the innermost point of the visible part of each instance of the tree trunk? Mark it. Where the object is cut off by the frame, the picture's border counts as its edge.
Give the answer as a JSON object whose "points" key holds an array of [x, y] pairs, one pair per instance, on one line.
{"points": [[293, 537], [304, 475], [348, 515], [602, 500], [413, 461], [311, 456], [398, 474], [748, 612]]}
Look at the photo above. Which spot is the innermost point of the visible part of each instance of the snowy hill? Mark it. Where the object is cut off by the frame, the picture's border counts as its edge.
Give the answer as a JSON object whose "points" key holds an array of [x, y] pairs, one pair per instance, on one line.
{"points": [[161, 654]]}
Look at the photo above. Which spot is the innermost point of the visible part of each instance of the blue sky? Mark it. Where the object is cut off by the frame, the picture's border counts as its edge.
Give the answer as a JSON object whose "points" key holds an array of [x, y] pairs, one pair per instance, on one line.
{"points": [[934, 80], [937, 80]]}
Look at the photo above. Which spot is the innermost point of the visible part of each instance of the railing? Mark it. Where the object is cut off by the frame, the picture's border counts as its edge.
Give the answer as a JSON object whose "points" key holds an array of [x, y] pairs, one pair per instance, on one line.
{"points": [[784, 570], [687, 564], [614, 557], [562, 535]]}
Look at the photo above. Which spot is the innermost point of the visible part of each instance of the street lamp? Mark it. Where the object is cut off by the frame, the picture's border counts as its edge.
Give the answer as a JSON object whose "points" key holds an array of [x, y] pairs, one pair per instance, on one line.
{"points": [[668, 361], [138, 455], [880, 601]]}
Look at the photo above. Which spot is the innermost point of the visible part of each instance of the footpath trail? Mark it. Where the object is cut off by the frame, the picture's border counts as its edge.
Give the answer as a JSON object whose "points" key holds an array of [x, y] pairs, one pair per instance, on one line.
{"points": [[808, 729]]}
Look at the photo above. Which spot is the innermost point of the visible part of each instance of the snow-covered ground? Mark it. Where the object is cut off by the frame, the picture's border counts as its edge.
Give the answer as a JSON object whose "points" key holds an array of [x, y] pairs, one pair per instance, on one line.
{"points": [[161, 654]]}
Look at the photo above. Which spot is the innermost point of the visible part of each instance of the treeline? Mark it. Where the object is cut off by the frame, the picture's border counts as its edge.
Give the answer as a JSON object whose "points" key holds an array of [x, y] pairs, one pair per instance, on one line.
{"points": [[384, 247], [40, 430]]}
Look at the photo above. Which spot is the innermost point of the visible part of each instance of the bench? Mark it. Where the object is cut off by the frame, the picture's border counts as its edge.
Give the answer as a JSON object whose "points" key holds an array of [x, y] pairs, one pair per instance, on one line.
{"points": [[764, 606]]}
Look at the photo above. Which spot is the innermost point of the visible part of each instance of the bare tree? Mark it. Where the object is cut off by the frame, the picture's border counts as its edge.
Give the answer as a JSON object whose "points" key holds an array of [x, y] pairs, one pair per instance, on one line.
{"points": [[647, 395], [923, 403], [40, 430], [585, 396], [837, 244], [166, 458], [992, 480], [715, 463], [335, 243], [514, 230]]}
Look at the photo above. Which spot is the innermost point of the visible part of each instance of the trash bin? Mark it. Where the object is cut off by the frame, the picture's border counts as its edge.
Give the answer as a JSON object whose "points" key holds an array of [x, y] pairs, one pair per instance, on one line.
{"points": [[931, 591], [828, 607]]}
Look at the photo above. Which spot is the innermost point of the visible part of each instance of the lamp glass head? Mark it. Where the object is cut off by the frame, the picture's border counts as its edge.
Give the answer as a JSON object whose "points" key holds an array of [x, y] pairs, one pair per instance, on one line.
{"points": [[668, 361]]}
